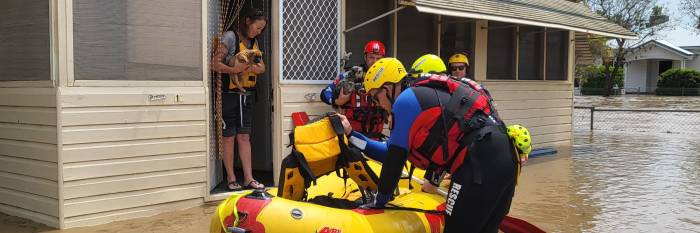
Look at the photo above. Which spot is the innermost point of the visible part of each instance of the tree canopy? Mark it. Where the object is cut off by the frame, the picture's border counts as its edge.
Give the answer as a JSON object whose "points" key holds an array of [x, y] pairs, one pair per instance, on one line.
{"points": [[642, 17], [692, 8]]}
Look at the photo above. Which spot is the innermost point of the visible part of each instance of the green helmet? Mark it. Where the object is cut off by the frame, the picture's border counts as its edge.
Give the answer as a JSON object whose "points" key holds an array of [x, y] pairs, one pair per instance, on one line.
{"points": [[521, 138], [428, 64]]}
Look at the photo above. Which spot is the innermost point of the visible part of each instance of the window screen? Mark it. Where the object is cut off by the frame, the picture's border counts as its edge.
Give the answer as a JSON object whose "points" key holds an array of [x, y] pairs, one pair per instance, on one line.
{"points": [[501, 51], [359, 11], [557, 54], [310, 40], [531, 53], [458, 36], [416, 35], [137, 40], [25, 47]]}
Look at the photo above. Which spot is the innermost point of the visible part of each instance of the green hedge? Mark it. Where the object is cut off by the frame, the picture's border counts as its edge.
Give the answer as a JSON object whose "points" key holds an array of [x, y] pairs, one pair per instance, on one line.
{"points": [[678, 82], [593, 80]]}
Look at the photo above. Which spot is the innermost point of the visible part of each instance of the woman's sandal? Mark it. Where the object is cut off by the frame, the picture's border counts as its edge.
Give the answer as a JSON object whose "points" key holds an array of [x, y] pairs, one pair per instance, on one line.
{"points": [[236, 186], [254, 184]]}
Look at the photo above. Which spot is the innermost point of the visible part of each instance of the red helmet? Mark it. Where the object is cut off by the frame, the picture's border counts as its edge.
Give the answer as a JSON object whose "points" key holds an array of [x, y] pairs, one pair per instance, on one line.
{"points": [[375, 46]]}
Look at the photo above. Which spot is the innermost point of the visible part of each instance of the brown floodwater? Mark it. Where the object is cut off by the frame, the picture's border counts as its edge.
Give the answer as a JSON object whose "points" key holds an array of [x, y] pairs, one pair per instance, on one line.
{"points": [[633, 173], [611, 180], [640, 101]]}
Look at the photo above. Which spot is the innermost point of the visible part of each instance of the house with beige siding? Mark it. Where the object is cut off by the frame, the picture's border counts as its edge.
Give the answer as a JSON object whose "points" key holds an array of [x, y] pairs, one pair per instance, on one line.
{"points": [[106, 107]]}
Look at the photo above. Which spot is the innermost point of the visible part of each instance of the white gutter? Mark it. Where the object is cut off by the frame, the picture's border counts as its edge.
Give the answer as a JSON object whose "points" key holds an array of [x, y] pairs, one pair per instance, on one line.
{"points": [[457, 13], [374, 19]]}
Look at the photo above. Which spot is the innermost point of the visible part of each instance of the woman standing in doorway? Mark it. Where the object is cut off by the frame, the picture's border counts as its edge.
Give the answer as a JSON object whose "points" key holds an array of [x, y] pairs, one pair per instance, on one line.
{"points": [[238, 57]]}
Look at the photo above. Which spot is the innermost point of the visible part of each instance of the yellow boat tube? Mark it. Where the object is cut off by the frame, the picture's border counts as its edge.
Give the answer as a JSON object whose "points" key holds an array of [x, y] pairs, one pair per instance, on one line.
{"points": [[259, 211]]}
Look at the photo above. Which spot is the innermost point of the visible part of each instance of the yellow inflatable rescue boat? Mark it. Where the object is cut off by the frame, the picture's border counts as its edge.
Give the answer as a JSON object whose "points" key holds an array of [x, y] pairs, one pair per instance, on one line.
{"points": [[259, 211], [332, 204]]}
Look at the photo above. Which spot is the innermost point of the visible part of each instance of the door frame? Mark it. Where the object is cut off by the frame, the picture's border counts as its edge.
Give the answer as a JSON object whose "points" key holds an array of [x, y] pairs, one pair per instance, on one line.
{"points": [[275, 99]]}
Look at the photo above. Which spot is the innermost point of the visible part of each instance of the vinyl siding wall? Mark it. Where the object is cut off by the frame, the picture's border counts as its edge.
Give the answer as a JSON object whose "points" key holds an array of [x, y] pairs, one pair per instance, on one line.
{"points": [[693, 63], [293, 100], [636, 75], [125, 156], [28, 154], [544, 107]]}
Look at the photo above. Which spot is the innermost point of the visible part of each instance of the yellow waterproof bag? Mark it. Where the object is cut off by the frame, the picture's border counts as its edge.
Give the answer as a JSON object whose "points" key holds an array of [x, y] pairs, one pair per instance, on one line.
{"points": [[319, 148]]}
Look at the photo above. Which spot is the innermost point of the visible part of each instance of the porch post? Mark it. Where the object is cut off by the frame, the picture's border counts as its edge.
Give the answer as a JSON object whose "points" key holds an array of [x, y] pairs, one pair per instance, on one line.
{"points": [[480, 47]]}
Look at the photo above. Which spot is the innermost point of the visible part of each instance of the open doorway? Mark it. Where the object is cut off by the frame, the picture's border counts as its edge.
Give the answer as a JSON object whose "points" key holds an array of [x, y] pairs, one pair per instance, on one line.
{"points": [[665, 65], [261, 130]]}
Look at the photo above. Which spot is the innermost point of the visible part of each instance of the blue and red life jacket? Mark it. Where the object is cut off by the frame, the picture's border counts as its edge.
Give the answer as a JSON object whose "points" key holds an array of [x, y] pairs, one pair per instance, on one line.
{"points": [[449, 124]]}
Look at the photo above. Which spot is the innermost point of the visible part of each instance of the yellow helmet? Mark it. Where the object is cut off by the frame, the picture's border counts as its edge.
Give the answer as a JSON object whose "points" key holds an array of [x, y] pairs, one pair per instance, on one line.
{"points": [[459, 58], [428, 64], [521, 138], [385, 70]]}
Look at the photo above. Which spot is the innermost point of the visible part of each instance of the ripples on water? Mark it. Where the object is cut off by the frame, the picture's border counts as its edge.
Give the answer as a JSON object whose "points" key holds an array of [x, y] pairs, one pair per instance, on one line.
{"points": [[640, 101], [617, 181], [640, 182]]}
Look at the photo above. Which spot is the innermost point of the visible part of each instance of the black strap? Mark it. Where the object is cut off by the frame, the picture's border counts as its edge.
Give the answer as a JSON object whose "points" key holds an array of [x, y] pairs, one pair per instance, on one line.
{"points": [[291, 139], [343, 159], [411, 168], [410, 176], [459, 104], [339, 130], [304, 165], [468, 142]]}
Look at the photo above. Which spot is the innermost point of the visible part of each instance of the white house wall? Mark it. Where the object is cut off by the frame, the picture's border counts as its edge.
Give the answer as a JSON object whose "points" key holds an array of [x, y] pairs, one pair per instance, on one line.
{"points": [[125, 156], [653, 51], [653, 74], [676, 64], [636, 75], [693, 64], [28, 154]]}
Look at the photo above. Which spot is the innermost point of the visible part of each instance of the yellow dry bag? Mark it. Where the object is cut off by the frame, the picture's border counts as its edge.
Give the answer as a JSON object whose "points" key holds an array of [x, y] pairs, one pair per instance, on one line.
{"points": [[320, 147]]}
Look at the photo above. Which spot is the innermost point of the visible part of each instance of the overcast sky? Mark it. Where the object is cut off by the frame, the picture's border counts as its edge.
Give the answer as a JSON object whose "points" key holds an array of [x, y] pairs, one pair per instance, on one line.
{"points": [[682, 35]]}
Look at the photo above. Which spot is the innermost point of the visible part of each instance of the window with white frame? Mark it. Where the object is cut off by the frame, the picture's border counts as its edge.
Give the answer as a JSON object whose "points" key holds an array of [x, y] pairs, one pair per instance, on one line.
{"points": [[137, 40], [310, 40], [536, 53], [25, 40], [530, 53], [501, 50], [557, 54]]}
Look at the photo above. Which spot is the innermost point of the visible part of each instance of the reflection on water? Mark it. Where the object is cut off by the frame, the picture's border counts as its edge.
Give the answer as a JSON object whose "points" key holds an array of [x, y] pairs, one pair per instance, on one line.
{"points": [[640, 182], [640, 101], [617, 181]]}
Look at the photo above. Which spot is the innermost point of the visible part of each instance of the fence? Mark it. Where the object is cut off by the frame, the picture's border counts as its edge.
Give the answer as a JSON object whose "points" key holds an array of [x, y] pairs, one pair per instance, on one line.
{"points": [[637, 120], [680, 91]]}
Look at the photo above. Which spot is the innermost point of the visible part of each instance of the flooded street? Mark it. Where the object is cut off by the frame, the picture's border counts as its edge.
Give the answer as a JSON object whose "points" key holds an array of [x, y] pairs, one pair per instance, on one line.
{"points": [[640, 102], [617, 180], [611, 180]]}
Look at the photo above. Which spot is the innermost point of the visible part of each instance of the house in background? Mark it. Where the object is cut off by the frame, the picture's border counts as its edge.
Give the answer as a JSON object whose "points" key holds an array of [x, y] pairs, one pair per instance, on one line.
{"points": [[647, 61], [106, 107]]}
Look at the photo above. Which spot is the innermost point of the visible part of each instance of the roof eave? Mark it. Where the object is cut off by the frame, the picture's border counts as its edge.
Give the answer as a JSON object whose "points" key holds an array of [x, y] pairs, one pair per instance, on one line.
{"points": [[464, 14], [672, 50]]}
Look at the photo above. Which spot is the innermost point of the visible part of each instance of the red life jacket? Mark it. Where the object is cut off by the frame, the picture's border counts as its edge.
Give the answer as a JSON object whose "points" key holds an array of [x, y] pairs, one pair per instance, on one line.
{"points": [[364, 115], [468, 110]]}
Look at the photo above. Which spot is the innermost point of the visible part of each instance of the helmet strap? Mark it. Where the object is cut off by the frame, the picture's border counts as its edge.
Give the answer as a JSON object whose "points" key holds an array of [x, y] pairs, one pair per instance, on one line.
{"points": [[391, 97]]}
